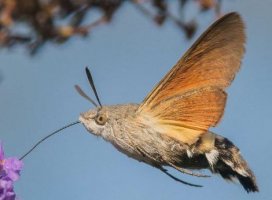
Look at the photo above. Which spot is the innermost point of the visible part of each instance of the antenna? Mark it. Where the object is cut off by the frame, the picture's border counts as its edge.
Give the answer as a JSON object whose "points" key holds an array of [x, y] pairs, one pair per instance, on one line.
{"points": [[84, 95], [90, 78]]}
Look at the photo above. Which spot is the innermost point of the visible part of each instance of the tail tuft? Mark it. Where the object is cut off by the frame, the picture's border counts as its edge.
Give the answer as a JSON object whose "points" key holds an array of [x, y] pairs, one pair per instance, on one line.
{"points": [[230, 164]]}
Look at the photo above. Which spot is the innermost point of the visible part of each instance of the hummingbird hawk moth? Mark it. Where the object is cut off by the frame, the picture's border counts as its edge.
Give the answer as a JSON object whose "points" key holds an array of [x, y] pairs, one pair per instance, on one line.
{"points": [[171, 126]]}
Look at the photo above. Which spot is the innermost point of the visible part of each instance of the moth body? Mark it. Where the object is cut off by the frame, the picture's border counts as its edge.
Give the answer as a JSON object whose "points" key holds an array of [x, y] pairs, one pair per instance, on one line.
{"points": [[135, 136]]}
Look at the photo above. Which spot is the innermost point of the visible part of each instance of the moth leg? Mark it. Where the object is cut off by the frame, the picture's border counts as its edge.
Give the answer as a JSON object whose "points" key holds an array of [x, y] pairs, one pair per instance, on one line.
{"points": [[189, 172], [165, 170], [177, 179]]}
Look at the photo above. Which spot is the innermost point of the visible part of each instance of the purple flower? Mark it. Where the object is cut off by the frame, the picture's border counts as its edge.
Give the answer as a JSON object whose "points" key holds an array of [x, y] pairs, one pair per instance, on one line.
{"points": [[6, 190], [9, 172], [12, 167]]}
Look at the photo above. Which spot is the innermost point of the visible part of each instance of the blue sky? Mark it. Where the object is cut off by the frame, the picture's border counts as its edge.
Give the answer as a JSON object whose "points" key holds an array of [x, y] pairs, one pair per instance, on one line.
{"points": [[127, 58]]}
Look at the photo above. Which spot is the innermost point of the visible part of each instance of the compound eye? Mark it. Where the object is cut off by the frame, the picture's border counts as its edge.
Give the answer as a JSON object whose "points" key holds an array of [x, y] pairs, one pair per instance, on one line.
{"points": [[101, 119]]}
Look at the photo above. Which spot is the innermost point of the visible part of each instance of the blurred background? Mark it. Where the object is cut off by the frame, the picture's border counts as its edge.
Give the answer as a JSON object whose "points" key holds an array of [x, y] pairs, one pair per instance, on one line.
{"points": [[129, 46]]}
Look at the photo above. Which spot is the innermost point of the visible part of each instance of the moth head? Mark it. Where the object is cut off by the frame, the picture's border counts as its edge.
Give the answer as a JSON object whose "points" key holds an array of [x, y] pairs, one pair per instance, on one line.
{"points": [[95, 120]]}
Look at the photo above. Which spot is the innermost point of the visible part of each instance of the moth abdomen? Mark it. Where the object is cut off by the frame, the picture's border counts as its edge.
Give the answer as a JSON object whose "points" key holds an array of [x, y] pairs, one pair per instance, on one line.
{"points": [[231, 164]]}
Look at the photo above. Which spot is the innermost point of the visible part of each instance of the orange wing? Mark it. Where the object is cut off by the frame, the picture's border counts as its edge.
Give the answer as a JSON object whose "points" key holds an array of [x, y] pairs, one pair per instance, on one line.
{"points": [[191, 95]]}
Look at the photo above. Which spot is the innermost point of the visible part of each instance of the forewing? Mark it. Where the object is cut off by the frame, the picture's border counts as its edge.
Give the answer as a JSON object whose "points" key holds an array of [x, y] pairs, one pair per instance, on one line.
{"points": [[191, 96], [213, 60]]}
